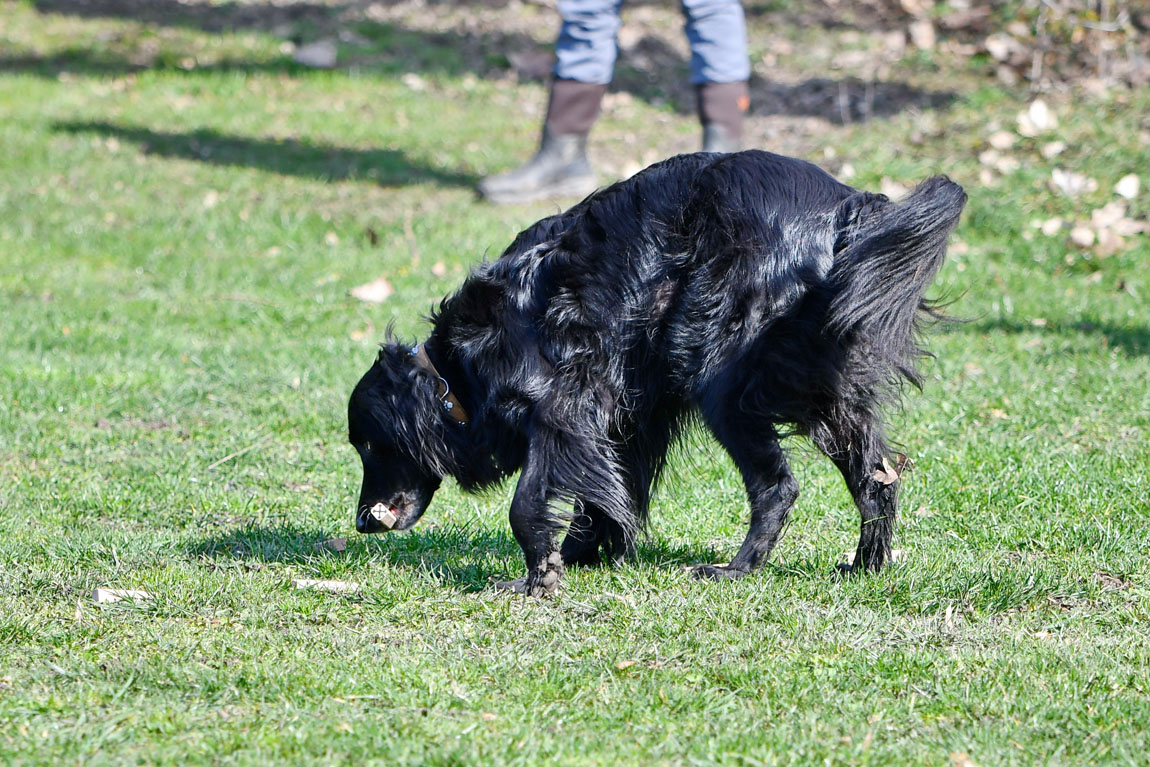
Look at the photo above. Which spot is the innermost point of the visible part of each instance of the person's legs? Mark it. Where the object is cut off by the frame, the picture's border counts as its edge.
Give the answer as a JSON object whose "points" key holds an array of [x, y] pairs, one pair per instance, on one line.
{"points": [[720, 67], [585, 62], [586, 48]]}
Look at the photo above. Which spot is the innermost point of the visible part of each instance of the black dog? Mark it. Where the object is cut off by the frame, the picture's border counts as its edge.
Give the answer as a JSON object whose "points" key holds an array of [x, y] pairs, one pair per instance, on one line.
{"points": [[751, 290]]}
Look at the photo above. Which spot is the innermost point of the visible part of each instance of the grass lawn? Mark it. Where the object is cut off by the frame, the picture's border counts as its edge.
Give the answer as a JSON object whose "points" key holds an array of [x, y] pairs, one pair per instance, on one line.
{"points": [[183, 211]]}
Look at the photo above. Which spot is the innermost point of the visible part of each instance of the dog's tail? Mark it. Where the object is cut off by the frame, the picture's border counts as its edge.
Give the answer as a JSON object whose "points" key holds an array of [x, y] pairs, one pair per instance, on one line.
{"points": [[887, 254]]}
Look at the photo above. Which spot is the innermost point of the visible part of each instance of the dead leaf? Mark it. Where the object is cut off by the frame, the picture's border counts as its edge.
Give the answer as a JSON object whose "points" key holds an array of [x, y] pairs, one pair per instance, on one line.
{"points": [[959, 759], [1072, 184], [439, 269], [625, 664], [887, 474], [211, 199], [1128, 186], [1052, 226], [414, 81], [375, 292], [965, 17], [1004, 48], [1039, 322], [1082, 236], [922, 34], [1037, 119], [1052, 149], [914, 7], [1001, 140], [1108, 215], [1002, 163], [1111, 582], [923, 511], [331, 238], [1108, 243]]}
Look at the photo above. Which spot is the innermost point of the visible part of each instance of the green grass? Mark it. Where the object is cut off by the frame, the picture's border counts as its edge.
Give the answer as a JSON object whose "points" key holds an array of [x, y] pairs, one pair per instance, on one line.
{"points": [[176, 247]]}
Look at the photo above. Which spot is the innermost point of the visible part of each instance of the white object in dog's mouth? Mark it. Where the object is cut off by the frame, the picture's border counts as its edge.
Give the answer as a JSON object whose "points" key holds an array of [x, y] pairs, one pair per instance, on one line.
{"points": [[383, 515]]}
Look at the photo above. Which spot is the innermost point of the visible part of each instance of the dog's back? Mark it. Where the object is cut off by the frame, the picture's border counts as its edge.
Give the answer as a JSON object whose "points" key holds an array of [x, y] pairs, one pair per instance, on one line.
{"points": [[705, 259]]}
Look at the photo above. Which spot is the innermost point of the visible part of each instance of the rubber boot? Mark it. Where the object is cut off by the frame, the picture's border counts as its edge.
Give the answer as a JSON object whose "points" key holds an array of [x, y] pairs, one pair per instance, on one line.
{"points": [[721, 109], [560, 168]]}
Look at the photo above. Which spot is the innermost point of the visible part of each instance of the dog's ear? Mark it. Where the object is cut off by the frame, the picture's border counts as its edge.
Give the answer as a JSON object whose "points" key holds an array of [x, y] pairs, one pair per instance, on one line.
{"points": [[852, 215], [395, 358]]}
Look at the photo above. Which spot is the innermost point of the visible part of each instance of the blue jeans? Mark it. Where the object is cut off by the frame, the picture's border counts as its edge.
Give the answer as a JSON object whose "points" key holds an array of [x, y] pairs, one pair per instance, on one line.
{"points": [[716, 32]]}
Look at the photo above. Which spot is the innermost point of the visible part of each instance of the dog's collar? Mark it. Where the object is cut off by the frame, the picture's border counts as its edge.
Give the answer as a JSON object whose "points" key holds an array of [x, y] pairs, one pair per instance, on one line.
{"points": [[451, 404]]}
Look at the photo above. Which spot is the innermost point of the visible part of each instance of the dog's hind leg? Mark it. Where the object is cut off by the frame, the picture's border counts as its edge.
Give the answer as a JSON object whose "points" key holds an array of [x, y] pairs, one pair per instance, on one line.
{"points": [[862, 458], [771, 488], [588, 533]]}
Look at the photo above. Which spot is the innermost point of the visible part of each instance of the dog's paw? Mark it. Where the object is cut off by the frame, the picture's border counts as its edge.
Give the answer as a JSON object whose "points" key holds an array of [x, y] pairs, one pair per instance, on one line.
{"points": [[542, 582], [717, 572]]}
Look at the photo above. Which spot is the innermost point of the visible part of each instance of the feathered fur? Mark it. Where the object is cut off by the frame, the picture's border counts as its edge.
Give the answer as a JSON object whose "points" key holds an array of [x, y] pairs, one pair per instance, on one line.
{"points": [[749, 289]]}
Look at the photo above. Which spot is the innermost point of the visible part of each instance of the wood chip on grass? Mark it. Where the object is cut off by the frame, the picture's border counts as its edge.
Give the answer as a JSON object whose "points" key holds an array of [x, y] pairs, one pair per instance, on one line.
{"points": [[335, 587], [108, 596], [336, 545]]}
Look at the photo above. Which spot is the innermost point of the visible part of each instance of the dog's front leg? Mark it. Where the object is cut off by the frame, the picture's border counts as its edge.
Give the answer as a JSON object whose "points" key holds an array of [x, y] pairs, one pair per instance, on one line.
{"points": [[536, 529]]}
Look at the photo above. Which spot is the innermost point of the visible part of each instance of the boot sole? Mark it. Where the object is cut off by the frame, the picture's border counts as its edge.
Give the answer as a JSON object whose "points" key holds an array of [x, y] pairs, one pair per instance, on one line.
{"points": [[572, 187]]}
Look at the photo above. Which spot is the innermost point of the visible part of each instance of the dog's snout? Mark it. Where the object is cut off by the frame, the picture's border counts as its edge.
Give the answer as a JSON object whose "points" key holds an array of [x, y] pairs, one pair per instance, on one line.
{"points": [[365, 523], [378, 518]]}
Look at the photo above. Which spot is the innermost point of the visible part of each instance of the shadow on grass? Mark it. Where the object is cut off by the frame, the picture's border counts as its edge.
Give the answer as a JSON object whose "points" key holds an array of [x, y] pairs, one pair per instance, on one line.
{"points": [[296, 157], [1131, 339], [206, 16], [459, 557], [101, 63], [651, 69], [463, 558]]}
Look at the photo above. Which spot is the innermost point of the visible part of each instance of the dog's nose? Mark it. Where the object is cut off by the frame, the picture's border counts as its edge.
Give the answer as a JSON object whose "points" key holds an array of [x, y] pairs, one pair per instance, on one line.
{"points": [[379, 518], [366, 523]]}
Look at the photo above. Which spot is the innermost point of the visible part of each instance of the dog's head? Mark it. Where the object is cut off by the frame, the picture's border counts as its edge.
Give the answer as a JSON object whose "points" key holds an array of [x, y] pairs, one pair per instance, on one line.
{"points": [[395, 423]]}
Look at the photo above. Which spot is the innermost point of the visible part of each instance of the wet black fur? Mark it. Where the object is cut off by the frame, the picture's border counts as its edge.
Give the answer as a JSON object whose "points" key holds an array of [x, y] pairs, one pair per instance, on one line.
{"points": [[750, 290]]}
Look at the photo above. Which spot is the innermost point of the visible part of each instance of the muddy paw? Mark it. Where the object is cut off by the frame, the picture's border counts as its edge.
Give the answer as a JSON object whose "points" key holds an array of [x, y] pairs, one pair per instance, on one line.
{"points": [[543, 582], [717, 572]]}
